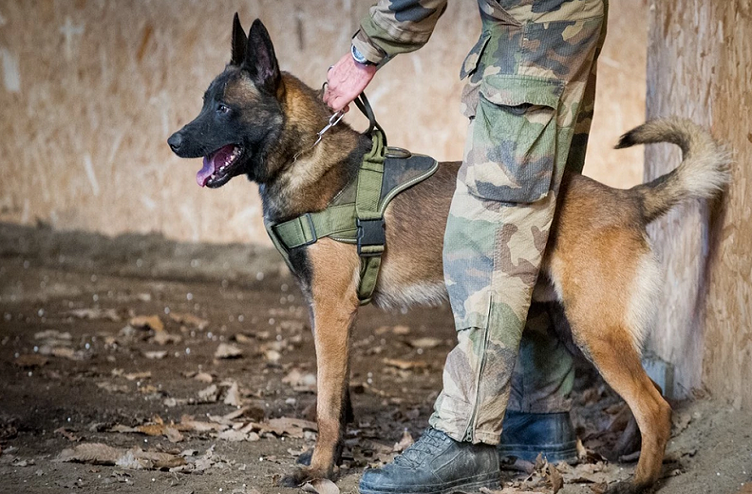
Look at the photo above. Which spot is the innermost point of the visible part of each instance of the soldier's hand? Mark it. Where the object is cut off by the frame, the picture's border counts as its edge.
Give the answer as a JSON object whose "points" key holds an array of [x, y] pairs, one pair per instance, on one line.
{"points": [[345, 81]]}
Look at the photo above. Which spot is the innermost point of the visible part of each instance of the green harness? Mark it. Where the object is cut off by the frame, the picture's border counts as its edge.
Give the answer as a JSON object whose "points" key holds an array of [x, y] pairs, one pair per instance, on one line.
{"points": [[356, 214]]}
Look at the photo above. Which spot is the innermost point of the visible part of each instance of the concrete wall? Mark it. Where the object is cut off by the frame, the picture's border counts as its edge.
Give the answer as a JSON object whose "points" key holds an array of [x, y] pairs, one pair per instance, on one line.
{"points": [[700, 67], [92, 89]]}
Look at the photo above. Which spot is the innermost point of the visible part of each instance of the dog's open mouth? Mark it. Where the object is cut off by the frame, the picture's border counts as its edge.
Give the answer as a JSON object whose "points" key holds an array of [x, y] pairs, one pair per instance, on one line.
{"points": [[219, 166]]}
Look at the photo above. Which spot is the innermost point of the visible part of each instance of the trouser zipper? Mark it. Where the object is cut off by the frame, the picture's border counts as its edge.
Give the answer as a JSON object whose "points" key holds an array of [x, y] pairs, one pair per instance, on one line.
{"points": [[471, 424]]}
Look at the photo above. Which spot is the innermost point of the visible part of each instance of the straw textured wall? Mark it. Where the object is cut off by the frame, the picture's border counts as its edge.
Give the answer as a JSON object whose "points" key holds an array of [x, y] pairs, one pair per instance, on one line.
{"points": [[700, 67], [92, 89]]}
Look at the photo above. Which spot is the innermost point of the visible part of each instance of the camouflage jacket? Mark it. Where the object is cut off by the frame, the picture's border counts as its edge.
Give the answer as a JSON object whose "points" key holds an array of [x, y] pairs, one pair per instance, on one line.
{"points": [[401, 26]]}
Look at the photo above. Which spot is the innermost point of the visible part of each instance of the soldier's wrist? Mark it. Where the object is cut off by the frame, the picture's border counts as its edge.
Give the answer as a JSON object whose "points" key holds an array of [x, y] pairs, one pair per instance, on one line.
{"points": [[371, 54], [359, 57]]}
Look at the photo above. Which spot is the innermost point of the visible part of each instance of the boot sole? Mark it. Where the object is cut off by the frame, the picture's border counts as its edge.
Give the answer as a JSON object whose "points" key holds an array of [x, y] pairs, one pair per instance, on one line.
{"points": [[490, 480]]}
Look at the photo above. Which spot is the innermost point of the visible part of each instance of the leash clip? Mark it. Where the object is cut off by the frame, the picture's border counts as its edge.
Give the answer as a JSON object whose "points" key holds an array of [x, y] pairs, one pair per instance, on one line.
{"points": [[333, 120]]}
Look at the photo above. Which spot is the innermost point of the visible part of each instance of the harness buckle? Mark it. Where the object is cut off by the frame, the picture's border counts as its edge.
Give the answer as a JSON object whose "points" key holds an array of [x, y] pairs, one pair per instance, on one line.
{"points": [[371, 237], [315, 238]]}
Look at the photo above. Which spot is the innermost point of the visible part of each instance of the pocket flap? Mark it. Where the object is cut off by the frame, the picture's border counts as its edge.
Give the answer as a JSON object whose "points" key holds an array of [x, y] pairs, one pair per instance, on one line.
{"points": [[515, 90], [472, 58]]}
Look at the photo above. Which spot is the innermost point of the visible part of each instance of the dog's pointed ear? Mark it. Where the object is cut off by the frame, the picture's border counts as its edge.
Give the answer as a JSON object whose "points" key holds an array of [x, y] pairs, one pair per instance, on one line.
{"points": [[239, 42], [260, 61]]}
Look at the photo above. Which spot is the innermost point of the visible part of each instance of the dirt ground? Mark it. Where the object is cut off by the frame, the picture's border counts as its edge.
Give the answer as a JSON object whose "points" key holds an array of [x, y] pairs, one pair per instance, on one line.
{"points": [[183, 368]]}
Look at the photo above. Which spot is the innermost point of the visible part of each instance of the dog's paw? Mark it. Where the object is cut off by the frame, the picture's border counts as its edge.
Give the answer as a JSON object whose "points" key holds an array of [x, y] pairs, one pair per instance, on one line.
{"points": [[305, 458], [627, 488], [302, 475]]}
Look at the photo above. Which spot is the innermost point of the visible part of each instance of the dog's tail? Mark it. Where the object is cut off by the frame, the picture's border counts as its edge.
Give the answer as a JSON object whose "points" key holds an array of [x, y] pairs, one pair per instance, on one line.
{"points": [[703, 172]]}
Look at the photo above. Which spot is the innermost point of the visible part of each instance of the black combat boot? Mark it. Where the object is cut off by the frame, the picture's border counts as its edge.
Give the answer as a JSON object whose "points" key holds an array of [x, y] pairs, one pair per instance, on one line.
{"points": [[524, 435], [435, 464]]}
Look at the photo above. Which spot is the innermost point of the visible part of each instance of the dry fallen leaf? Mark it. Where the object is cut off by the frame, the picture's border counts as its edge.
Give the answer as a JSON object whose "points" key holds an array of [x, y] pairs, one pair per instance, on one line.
{"points": [[68, 353], [272, 356], [228, 350], [137, 459], [252, 413], [164, 338], [136, 376], [599, 488], [147, 322], [232, 396], [94, 453], [30, 361], [134, 459], [405, 364], [241, 338], [289, 426], [148, 389], [401, 330], [187, 424], [67, 433], [204, 377], [426, 342], [680, 421], [52, 334], [232, 435], [586, 455], [398, 330], [301, 382], [190, 319], [593, 473], [210, 394], [109, 314], [113, 388], [554, 477], [321, 486], [404, 442]]}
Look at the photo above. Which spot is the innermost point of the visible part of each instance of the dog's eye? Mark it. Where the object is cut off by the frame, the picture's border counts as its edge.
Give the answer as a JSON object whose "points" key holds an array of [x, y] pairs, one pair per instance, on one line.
{"points": [[222, 108]]}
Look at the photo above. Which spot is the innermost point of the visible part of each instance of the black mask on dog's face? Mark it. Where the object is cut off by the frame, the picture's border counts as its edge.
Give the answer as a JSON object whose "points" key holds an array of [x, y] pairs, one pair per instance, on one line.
{"points": [[241, 116]]}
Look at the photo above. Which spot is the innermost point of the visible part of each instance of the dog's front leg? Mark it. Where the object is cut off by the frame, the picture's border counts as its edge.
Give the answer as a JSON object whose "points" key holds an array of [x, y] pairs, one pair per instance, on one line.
{"points": [[334, 303]]}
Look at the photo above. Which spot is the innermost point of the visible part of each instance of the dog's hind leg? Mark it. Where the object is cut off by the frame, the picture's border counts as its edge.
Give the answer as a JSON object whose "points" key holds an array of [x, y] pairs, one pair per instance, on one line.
{"points": [[619, 363], [334, 303], [607, 302], [629, 441]]}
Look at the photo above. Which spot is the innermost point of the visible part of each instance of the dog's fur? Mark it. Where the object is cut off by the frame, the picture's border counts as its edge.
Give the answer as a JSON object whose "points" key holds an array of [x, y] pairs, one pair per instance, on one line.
{"points": [[598, 260]]}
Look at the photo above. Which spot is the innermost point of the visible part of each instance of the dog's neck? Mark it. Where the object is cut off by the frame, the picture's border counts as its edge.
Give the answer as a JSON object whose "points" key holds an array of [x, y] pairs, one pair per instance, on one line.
{"points": [[306, 177]]}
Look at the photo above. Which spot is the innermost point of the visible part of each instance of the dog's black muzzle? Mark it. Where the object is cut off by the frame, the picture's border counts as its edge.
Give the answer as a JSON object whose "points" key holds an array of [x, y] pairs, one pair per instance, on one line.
{"points": [[184, 145], [176, 142]]}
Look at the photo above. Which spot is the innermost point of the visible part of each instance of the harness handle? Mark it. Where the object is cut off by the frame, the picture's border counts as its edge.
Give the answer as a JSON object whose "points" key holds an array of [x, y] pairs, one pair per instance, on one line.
{"points": [[365, 108]]}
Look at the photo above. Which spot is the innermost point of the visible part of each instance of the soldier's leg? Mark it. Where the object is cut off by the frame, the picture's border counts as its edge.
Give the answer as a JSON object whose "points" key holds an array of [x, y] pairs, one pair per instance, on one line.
{"points": [[537, 418], [498, 226], [532, 80], [576, 159], [492, 252]]}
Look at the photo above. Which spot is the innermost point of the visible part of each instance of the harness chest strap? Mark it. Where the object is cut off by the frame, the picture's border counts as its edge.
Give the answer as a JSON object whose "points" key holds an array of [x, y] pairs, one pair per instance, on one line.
{"points": [[371, 237], [361, 222], [360, 219]]}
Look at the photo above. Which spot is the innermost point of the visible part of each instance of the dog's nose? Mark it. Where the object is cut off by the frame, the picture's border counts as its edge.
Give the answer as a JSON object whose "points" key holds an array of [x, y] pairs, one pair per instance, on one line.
{"points": [[175, 141]]}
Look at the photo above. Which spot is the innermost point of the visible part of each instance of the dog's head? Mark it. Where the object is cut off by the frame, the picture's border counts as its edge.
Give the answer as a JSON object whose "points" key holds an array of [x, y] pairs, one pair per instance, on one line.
{"points": [[241, 116]]}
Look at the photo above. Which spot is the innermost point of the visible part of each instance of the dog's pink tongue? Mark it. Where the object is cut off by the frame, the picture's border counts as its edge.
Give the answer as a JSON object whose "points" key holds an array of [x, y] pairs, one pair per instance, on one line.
{"points": [[211, 163], [206, 171]]}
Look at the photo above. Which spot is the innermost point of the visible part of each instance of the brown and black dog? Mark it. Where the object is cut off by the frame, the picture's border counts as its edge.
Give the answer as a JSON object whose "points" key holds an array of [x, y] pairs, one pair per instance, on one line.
{"points": [[262, 123]]}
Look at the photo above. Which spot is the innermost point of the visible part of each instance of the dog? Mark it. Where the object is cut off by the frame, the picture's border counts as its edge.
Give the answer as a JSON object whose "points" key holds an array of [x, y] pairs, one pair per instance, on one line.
{"points": [[260, 122]]}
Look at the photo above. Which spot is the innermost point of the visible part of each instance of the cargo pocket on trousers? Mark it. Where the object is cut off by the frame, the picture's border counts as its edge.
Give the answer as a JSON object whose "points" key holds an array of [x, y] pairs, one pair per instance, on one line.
{"points": [[511, 153]]}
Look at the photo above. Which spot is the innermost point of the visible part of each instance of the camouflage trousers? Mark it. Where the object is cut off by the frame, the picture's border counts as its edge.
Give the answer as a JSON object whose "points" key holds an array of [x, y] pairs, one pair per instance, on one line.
{"points": [[529, 99]]}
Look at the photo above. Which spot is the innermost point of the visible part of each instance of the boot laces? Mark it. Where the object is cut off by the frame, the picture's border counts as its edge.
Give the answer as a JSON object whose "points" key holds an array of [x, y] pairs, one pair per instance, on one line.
{"points": [[427, 447]]}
